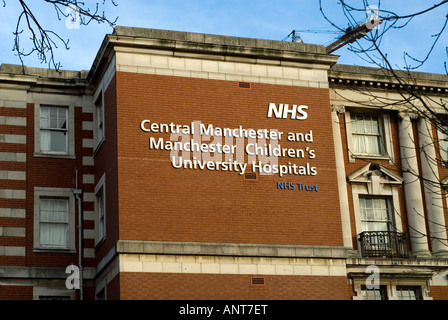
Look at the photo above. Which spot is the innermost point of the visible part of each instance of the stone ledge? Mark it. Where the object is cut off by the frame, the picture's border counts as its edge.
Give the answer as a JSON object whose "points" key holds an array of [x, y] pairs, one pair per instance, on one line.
{"points": [[433, 262], [176, 42], [14, 69], [170, 37], [230, 249], [40, 273]]}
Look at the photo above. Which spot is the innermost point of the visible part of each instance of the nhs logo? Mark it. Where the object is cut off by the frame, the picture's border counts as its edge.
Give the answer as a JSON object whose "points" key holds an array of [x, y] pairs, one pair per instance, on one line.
{"points": [[286, 111]]}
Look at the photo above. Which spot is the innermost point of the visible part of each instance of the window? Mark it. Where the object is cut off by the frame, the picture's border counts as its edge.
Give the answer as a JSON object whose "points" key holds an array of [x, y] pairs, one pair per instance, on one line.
{"points": [[100, 210], [443, 143], [375, 214], [53, 129], [101, 214], [366, 134], [376, 207], [374, 293], [379, 237], [409, 293], [54, 126], [99, 135], [369, 134], [100, 119], [53, 222], [406, 288]]}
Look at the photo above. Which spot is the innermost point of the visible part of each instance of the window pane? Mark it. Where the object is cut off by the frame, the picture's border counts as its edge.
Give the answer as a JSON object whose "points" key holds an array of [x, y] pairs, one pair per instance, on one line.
{"points": [[380, 226], [101, 214], [53, 234], [373, 125], [408, 293], [373, 294], [359, 144], [53, 222], [357, 124], [53, 117], [100, 118], [366, 134], [371, 145], [444, 141], [45, 118], [53, 210], [369, 203], [374, 214], [53, 133], [58, 141], [53, 141]]}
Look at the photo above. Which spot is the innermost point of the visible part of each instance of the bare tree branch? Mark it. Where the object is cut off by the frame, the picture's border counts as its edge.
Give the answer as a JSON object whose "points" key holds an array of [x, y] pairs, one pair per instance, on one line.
{"points": [[44, 42], [431, 107]]}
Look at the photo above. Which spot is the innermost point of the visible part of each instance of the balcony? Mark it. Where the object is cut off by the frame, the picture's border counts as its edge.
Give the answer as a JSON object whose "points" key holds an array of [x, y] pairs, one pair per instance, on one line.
{"points": [[384, 244]]}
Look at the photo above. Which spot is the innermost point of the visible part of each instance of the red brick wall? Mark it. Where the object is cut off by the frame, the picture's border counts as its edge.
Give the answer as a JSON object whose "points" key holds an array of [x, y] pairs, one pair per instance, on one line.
{"points": [[113, 288], [40, 172], [9, 184], [167, 286], [438, 292], [16, 292], [159, 202], [49, 173], [106, 163]]}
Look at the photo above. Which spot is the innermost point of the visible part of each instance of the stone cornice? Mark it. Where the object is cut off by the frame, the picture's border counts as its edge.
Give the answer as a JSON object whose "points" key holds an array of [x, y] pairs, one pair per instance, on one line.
{"points": [[376, 78], [229, 249], [386, 85]]}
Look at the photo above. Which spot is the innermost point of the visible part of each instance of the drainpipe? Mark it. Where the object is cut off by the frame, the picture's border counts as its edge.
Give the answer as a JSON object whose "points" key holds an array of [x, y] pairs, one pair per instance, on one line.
{"points": [[78, 192]]}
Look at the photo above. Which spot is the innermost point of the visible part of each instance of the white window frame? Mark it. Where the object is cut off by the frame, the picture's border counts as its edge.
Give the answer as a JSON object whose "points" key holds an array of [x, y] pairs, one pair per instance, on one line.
{"points": [[375, 186], [382, 289], [390, 222], [419, 294], [54, 193], [391, 287], [103, 85], [99, 134], [387, 192], [443, 147], [63, 222], [68, 103], [385, 135], [51, 130], [100, 221]]}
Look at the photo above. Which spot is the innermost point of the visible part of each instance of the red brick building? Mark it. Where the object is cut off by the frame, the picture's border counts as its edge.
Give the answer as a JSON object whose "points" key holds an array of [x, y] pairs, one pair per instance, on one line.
{"points": [[194, 166]]}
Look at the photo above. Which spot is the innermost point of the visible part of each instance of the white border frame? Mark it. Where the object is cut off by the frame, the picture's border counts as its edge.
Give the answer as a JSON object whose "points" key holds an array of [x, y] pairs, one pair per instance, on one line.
{"points": [[56, 193], [55, 101], [387, 191], [386, 135], [100, 186], [391, 287], [97, 143]]}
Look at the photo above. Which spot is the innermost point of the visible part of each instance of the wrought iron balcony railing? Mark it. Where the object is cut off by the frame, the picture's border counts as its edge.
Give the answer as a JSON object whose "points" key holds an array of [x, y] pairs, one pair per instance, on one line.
{"points": [[384, 244]]}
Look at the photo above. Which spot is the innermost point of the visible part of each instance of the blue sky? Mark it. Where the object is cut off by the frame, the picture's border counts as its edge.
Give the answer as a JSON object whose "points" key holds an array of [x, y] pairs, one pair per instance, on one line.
{"points": [[273, 20]]}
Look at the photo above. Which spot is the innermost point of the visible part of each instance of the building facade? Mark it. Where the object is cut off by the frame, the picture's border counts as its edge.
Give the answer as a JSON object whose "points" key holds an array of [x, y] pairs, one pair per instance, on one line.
{"points": [[192, 166]]}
